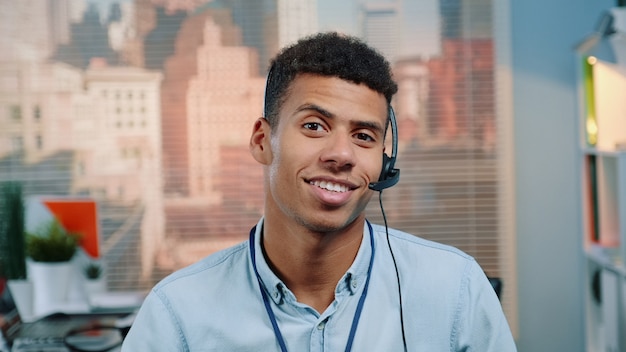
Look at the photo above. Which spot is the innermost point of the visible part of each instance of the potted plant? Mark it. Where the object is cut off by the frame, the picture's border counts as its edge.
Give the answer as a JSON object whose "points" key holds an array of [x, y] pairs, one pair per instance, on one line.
{"points": [[50, 249], [92, 271], [94, 281], [51, 243]]}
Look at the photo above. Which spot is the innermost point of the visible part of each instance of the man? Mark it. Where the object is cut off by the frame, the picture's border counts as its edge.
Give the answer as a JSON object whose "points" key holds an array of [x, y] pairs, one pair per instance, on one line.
{"points": [[315, 275]]}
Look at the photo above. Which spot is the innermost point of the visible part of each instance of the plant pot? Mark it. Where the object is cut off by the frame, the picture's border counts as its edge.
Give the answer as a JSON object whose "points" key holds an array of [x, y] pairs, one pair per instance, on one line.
{"points": [[93, 286], [51, 282], [22, 294]]}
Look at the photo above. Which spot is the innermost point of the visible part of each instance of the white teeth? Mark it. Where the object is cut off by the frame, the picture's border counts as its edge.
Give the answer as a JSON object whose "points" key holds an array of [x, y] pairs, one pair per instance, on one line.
{"points": [[335, 187]]}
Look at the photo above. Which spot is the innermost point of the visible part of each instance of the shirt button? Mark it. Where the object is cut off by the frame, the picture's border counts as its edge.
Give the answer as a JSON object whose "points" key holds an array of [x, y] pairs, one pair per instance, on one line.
{"points": [[354, 283], [321, 325], [276, 294]]}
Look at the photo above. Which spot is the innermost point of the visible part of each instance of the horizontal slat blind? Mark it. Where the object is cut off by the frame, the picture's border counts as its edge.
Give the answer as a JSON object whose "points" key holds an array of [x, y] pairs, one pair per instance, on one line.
{"points": [[146, 106]]}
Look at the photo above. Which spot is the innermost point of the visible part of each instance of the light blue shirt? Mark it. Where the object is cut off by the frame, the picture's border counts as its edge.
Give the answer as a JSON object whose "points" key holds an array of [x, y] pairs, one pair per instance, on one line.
{"points": [[215, 304]]}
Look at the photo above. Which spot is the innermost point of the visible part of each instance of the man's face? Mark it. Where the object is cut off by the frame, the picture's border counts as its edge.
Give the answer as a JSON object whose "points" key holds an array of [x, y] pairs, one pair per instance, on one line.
{"points": [[324, 152]]}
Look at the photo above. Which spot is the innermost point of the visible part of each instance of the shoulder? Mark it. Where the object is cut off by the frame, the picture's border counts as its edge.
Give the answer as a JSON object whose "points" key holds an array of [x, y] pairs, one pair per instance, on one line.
{"points": [[422, 261], [436, 273], [203, 273], [413, 244], [179, 302]]}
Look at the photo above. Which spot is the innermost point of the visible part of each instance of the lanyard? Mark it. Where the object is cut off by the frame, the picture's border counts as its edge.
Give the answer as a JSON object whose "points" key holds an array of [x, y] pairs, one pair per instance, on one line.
{"points": [[270, 312]]}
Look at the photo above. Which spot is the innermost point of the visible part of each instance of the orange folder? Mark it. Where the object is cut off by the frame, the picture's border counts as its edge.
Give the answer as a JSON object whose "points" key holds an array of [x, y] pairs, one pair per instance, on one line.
{"points": [[78, 216]]}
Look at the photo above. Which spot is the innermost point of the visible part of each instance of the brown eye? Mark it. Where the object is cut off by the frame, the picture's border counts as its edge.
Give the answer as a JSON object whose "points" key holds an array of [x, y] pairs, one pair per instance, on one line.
{"points": [[313, 126], [364, 137]]}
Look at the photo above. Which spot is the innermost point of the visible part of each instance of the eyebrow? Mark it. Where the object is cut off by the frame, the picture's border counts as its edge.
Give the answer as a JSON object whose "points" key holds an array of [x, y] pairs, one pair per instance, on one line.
{"points": [[359, 123], [315, 108]]}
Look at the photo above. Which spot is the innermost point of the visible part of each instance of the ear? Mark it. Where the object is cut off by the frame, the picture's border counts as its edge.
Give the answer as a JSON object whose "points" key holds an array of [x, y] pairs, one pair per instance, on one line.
{"points": [[260, 142]]}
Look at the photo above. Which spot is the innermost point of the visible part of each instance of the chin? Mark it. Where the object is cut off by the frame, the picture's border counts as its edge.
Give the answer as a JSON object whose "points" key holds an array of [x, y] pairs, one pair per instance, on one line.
{"points": [[326, 224]]}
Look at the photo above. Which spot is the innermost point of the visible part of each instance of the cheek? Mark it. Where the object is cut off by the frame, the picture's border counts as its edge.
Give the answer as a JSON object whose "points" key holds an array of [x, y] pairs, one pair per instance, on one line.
{"points": [[292, 153], [374, 163], [286, 158]]}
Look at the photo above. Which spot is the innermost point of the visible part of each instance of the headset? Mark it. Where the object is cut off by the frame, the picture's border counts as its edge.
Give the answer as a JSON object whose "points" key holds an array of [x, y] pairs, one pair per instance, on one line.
{"points": [[389, 175]]}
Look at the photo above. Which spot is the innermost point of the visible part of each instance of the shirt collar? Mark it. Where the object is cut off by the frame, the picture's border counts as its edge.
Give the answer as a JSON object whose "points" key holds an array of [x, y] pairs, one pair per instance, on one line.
{"points": [[352, 281]]}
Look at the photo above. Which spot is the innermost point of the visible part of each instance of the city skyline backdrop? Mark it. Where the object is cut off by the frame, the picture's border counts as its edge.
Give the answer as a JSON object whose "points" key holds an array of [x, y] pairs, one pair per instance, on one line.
{"points": [[148, 107], [420, 21]]}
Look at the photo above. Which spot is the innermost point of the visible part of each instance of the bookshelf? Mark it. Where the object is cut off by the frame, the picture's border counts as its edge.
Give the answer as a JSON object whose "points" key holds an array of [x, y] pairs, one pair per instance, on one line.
{"points": [[604, 219], [602, 83]]}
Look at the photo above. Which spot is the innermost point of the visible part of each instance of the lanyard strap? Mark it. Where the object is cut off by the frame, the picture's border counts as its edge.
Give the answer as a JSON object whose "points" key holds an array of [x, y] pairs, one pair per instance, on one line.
{"points": [[270, 312]]}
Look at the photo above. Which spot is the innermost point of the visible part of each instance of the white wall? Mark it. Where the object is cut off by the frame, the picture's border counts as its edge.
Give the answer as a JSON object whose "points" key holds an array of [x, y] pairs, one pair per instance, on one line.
{"points": [[547, 166]]}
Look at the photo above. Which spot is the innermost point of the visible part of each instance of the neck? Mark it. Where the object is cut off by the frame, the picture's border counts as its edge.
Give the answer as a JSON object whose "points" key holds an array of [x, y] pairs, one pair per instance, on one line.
{"points": [[311, 263]]}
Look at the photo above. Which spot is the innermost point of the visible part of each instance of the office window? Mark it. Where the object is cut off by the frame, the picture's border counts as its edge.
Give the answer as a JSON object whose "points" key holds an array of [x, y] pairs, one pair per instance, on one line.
{"points": [[17, 143], [80, 168], [15, 111], [198, 188], [39, 142], [37, 113]]}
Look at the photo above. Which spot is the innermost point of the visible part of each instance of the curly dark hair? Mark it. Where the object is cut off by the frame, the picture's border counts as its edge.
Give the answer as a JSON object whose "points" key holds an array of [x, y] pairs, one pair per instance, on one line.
{"points": [[326, 54]]}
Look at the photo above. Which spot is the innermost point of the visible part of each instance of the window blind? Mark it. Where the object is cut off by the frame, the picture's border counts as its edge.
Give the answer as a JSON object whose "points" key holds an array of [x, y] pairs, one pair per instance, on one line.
{"points": [[146, 106]]}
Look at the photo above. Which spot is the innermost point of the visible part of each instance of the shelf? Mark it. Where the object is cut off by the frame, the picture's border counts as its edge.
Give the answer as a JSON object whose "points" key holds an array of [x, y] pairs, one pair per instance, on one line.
{"points": [[604, 152], [604, 200], [602, 89], [605, 104], [606, 258]]}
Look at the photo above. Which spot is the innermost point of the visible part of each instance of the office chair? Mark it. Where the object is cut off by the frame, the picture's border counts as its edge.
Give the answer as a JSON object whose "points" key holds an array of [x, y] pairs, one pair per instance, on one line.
{"points": [[496, 283]]}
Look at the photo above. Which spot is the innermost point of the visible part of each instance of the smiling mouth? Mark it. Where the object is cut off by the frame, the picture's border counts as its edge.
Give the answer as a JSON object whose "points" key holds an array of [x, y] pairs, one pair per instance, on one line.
{"points": [[330, 186]]}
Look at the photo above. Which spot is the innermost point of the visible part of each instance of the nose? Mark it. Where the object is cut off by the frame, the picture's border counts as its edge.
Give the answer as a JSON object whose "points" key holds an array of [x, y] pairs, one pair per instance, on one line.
{"points": [[339, 151]]}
